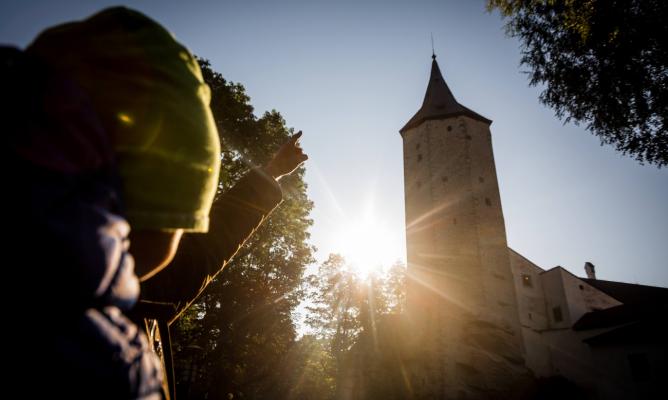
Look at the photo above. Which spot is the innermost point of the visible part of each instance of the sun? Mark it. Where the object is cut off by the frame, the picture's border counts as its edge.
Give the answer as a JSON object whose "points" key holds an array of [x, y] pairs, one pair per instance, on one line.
{"points": [[368, 245]]}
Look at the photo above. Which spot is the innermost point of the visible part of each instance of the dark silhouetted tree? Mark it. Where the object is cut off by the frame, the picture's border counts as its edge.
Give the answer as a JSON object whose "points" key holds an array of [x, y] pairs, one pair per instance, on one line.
{"points": [[235, 339], [602, 63]]}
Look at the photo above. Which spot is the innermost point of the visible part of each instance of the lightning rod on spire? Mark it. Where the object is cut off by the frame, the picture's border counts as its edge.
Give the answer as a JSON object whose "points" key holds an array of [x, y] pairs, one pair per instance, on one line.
{"points": [[433, 54]]}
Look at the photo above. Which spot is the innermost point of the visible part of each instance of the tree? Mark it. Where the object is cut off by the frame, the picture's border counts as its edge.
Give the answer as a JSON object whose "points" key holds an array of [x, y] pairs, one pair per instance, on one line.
{"points": [[395, 288], [602, 63], [310, 371], [335, 310], [358, 319], [235, 338]]}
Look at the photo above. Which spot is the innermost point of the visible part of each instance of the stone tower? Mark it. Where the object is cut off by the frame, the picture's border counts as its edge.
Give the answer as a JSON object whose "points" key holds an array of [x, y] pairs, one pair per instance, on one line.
{"points": [[461, 297]]}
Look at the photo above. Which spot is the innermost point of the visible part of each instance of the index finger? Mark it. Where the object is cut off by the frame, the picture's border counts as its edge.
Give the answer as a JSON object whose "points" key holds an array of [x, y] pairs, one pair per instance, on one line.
{"points": [[296, 137]]}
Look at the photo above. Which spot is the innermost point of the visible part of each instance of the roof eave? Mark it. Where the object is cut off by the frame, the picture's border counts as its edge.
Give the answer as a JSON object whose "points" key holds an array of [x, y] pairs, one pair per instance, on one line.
{"points": [[414, 122]]}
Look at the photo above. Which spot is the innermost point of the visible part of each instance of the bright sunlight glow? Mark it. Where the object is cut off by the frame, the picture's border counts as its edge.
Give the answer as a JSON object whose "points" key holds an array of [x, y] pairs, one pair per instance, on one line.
{"points": [[367, 245]]}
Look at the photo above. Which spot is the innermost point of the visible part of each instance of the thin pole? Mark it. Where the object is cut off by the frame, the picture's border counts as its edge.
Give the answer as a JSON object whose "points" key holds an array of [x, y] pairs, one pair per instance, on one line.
{"points": [[433, 53]]}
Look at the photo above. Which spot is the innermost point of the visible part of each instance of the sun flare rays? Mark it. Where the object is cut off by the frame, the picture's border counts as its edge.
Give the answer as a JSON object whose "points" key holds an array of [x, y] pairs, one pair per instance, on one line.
{"points": [[368, 244]]}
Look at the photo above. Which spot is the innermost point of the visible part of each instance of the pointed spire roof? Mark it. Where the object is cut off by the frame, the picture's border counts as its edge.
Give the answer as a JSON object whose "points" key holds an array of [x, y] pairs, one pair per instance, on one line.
{"points": [[439, 102]]}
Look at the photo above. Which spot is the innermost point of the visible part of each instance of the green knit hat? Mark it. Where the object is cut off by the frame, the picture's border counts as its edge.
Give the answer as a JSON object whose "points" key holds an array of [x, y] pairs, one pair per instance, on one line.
{"points": [[150, 95]]}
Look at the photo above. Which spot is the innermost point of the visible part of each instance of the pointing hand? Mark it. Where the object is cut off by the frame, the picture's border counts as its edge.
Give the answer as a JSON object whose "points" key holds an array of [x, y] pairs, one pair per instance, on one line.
{"points": [[288, 157]]}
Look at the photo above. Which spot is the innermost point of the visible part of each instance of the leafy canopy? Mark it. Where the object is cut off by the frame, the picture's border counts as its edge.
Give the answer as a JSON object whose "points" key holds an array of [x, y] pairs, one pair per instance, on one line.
{"points": [[602, 63], [235, 339]]}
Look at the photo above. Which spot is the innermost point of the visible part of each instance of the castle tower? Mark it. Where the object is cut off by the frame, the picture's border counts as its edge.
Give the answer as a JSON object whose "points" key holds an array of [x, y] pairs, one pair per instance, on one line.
{"points": [[460, 293]]}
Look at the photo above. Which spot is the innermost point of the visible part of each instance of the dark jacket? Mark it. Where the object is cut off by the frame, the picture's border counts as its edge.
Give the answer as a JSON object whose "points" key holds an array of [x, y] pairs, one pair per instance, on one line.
{"points": [[72, 278], [201, 256], [234, 216]]}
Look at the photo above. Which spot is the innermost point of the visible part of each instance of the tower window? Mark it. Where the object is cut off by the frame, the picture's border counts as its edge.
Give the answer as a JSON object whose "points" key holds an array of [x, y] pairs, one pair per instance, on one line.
{"points": [[582, 287], [449, 128], [526, 280], [488, 201], [530, 317], [444, 179], [556, 313], [419, 157]]}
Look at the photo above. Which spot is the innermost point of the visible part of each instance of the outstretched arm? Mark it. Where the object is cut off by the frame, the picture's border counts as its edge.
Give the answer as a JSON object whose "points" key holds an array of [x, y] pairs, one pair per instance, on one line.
{"points": [[234, 217]]}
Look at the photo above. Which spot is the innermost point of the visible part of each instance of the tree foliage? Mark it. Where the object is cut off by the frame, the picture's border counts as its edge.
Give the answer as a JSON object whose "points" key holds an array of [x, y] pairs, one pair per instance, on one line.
{"points": [[311, 371], [236, 337], [602, 63], [349, 314], [240, 338]]}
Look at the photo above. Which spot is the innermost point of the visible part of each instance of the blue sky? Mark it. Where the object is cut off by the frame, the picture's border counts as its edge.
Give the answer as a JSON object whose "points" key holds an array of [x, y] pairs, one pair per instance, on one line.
{"points": [[351, 73]]}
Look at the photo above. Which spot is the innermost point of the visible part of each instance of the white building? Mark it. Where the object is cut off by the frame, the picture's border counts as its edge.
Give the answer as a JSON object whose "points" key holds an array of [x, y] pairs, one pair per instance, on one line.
{"points": [[607, 337]]}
